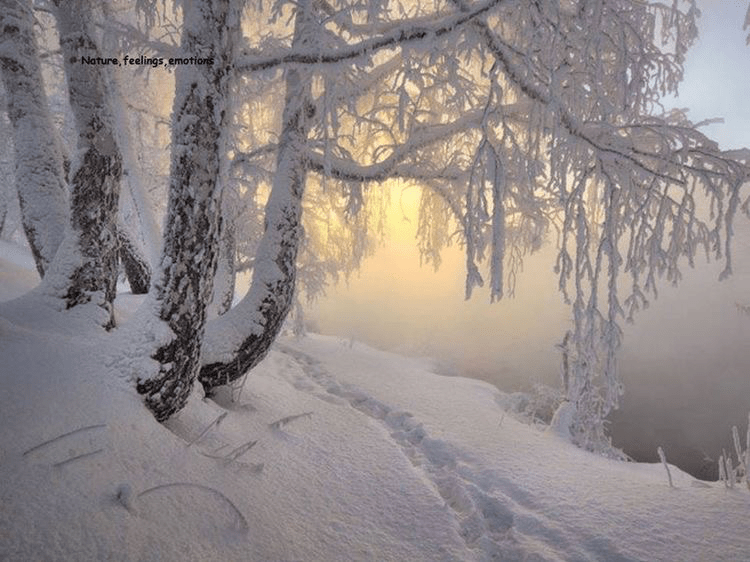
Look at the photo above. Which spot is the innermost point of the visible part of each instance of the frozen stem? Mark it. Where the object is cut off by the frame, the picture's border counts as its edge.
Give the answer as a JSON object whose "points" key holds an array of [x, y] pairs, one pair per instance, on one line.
{"points": [[216, 423], [663, 458]]}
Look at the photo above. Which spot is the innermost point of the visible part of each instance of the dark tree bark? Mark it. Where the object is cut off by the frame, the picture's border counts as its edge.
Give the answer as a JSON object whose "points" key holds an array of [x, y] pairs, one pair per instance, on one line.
{"points": [[191, 241], [39, 171], [134, 261], [224, 280], [3, 214], [241, 338], [85, 269]]}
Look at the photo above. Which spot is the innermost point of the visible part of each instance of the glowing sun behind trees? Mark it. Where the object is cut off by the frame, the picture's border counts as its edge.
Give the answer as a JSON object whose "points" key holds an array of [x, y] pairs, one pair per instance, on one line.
{"points": [[514, 119], [518, 118]]}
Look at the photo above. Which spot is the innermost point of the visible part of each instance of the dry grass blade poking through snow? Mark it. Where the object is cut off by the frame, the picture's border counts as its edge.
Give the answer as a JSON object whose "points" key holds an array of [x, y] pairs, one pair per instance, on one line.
{"points": [[235, 454], [284, 421], [215, 423], [69, 433], [77, 457], [242, 522], [663, 458]]}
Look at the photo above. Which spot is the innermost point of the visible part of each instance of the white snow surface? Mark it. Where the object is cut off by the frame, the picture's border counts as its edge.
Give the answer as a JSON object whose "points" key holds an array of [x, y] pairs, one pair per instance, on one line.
{"points": [[390, 462]]}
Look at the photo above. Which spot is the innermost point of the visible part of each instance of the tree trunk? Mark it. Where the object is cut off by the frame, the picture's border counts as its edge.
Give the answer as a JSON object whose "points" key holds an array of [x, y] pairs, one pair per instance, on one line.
{"points": [[241, 338], [3, 213], [40, 176], [224, 280], [134, 260], [191, 240], [134, 200], [85, 268]]}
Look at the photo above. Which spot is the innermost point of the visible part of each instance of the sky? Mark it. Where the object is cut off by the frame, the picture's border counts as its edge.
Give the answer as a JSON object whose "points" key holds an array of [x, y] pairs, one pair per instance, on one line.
{"points": [[717, 76], [688, 347]]}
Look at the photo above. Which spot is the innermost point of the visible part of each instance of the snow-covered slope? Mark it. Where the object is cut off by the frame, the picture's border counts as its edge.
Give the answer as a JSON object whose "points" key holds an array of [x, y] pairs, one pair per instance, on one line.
{"points": [[330, 451]]}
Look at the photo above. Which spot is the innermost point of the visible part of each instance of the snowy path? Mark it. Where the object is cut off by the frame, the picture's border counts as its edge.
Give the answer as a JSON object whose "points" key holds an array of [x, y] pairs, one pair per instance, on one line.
{"points": [[497, 520], [513, 491]]}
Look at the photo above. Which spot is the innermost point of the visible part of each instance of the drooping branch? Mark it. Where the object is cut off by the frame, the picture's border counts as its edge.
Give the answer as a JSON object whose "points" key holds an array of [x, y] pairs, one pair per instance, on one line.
{"points": [[392, 166]]}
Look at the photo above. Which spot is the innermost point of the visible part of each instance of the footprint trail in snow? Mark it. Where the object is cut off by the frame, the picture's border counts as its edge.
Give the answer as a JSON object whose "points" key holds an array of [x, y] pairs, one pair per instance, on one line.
{"points": [[496, 519]]}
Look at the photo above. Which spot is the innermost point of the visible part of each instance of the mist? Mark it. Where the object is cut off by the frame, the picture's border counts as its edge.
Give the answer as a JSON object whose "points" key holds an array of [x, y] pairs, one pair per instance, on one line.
{"points": [[684, 360]]}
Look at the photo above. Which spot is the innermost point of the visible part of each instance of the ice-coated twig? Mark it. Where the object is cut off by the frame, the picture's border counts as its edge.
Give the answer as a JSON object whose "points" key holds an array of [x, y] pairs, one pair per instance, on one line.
{"points": [[731, 475], [663, 458], [283, 421], [241, 518], [50, 441], [737, 447], [77, 457], [216, 422]]}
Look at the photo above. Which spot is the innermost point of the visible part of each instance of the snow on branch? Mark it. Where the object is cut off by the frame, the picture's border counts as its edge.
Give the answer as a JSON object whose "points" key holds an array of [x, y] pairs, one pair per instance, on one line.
{"points": [[404, 33], [131, 37], [390, 166]]}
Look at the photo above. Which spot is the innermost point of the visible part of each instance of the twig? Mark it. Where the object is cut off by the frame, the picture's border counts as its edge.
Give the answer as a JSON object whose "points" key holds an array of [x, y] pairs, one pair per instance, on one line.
{"points": [[216, 422], [80, 429], [77, 457], [663, 458], [243, 522], [283, 421]]}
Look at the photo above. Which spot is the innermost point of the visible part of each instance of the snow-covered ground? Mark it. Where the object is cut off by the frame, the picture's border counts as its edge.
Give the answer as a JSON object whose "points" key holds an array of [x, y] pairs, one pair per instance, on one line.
{"points": [[330, 451]]}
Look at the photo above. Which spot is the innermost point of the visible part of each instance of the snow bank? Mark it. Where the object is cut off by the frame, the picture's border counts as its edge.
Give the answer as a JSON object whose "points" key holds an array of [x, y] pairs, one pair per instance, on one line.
{"points": [[330, 451]]}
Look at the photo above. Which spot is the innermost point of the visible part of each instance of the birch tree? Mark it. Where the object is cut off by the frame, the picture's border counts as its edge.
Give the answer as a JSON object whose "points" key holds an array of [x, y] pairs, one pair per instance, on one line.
{"points": [[191, 241], [518, 121], [249, 329], [39, 172], [549, 115], [84, 271]]}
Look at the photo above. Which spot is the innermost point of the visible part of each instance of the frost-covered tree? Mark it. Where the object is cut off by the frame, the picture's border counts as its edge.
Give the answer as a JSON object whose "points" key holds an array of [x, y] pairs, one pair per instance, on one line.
{"points": [[41, 162], [39, 171], [517, 121], [513, 119], [192, 234], [516, 118], [84, 270], [249, 329]]}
